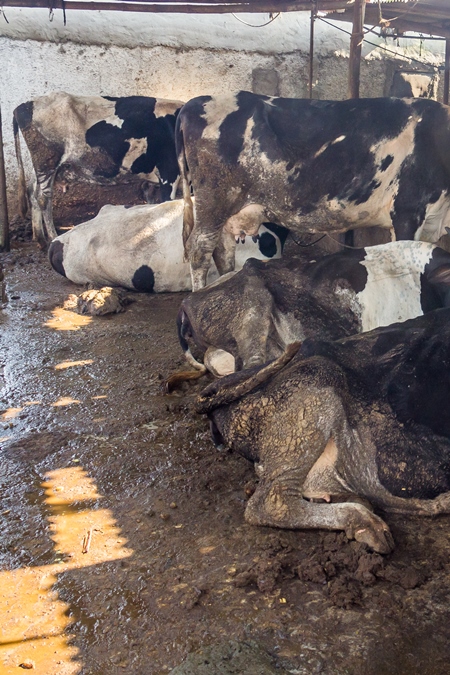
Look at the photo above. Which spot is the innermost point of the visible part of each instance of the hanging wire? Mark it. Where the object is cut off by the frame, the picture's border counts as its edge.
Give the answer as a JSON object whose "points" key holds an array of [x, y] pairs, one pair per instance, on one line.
{"points": [[2, 12], [303, 245], [383, 49], [260, 25]]}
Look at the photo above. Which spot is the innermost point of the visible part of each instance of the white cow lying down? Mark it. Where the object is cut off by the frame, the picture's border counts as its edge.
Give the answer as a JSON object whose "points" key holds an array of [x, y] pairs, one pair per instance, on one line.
{"points": [[141, 248]]}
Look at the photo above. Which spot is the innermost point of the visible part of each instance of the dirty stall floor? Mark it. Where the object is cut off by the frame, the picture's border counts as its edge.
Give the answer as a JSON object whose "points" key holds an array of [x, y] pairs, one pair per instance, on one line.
{"points": [[123, 543]]}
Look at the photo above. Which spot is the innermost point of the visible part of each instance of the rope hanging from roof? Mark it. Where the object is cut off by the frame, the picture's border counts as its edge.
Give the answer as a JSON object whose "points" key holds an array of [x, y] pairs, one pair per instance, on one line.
{"points": [[51, 10]]}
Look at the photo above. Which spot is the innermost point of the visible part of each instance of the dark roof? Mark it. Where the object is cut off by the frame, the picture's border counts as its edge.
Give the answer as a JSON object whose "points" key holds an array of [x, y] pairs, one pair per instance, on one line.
{"points": [[431, 17]]}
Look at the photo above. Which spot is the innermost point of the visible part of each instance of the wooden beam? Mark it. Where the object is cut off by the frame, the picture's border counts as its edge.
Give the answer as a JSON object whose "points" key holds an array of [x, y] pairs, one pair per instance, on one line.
{"points": [[311, 51], [4, 222], [356, 41], [447, 71], [181, 6]]}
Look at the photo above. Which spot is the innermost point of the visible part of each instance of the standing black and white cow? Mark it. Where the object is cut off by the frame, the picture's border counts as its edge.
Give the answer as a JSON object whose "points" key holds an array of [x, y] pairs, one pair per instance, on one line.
{"points": [[253, 315], [312, 166], [141, 248], [106, 136], [343, 426]]}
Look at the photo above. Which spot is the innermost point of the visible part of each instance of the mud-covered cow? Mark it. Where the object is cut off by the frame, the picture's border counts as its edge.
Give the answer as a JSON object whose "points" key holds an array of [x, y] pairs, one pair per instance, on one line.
{"points": [[141, 248], [253, 315], [342, 427], [106, 136], [312, 166]]}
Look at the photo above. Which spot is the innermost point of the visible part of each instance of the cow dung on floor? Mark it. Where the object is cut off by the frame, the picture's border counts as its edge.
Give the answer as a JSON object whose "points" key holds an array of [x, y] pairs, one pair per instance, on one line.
{"points": [[107, 300], [229, 658]]}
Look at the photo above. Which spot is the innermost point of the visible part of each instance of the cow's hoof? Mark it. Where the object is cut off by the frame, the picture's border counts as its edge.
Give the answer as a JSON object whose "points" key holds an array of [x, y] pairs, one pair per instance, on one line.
{"points": [[375, 534]]}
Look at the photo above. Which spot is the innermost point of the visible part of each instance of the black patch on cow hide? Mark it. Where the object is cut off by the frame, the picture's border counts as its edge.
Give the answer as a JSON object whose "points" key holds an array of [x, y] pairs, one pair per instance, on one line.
{"points": [[280, 231], [412, 463], [137, 113], [23, 114], [419, 390], [330, 139], [386, 162], [139, 121], [399, 382], [425, 173], [144, 279], [232, 129], [56, 257], [435, 282], [267, 245], [341, 266], [111, 139]]}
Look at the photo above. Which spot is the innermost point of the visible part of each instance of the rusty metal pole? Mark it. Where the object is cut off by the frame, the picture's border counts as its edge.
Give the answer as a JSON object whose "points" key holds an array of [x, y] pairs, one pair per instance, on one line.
{"points": [[4, 222], [356, 41], [311, 51], [447, 71]]}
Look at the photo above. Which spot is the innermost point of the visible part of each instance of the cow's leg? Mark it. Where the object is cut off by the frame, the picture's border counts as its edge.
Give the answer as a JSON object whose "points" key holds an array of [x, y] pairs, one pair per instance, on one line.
{"points": [[37, 221], [166, 190], [310, 438], [280, 503], [41, 214], [364, 446], [199, 250], [224, 254], [50, 231], [406, 225]]}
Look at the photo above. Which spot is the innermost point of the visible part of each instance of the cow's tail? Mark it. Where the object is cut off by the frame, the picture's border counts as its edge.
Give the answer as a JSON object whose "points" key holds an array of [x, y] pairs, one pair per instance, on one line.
{"points": [[172, 382], [229, 389], [188, 212], [24, 203]]}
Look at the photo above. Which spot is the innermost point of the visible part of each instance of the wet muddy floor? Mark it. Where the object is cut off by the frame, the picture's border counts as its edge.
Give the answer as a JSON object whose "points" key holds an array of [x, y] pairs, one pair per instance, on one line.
{"points": [[123, 542]]}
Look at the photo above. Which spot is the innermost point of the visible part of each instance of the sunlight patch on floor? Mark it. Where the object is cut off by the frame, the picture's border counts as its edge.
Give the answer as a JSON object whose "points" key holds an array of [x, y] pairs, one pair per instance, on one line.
{"points": [[72, 364], [63, 319], [63, 401], [11, 413], [35, 622]]}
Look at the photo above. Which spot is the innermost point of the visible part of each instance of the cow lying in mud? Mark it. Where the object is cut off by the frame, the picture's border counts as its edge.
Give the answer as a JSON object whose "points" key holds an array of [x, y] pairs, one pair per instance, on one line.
{"points": [[141, 248], [312, 166], [251, 316], [342, 426]]}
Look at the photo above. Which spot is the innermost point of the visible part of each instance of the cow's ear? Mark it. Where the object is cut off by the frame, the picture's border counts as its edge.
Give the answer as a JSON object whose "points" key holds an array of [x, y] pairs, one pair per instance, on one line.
{"points": [[441, 275]]}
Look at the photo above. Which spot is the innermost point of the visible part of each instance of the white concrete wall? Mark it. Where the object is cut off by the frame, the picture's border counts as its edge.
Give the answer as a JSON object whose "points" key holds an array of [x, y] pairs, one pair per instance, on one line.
{"points": [[179, 56]]}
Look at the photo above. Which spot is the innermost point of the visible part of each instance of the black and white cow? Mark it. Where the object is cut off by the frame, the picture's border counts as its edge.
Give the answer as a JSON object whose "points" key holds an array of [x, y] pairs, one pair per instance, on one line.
{"points": [[251, 316], [141, 248], [313, 166], [343, 426], [106, 136]]}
